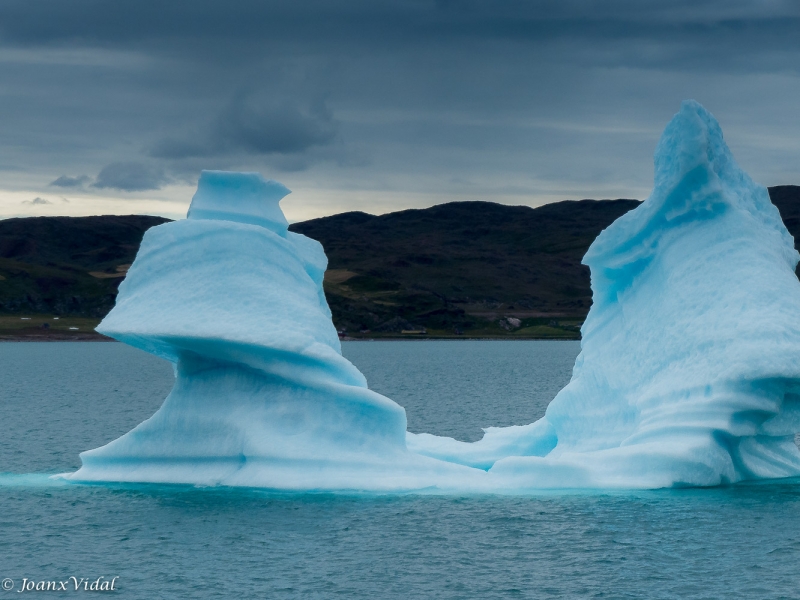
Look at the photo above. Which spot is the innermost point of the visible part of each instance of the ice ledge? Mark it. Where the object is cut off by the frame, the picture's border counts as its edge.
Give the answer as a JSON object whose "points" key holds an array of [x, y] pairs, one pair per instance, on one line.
{"points": [[240, 197]]}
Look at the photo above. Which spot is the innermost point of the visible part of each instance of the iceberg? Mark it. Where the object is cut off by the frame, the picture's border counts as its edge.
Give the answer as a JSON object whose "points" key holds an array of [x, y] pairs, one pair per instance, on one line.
{"points": [[689, 371], [263, 396]]}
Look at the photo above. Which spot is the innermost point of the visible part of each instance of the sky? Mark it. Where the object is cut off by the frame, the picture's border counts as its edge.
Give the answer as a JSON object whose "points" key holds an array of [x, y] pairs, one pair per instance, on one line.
{"points": [[116, 107]]}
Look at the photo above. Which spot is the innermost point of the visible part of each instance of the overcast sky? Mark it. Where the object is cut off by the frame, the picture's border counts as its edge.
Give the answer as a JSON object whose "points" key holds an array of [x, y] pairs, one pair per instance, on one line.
{"points": [[115, 107]]}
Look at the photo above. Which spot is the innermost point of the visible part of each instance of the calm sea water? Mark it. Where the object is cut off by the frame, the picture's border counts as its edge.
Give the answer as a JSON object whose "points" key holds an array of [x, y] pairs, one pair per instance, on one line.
{"points": [[177, 542]]}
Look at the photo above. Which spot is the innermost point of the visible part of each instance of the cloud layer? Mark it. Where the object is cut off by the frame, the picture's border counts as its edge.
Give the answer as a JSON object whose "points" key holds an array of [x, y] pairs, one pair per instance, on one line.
{"points": [[249, 126], [511, 100]]}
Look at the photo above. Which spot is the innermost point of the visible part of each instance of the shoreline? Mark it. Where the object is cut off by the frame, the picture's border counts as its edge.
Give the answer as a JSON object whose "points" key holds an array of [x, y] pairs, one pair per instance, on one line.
{"points": [[97, 337], [56, 337], [50, 328], [53, 328]]}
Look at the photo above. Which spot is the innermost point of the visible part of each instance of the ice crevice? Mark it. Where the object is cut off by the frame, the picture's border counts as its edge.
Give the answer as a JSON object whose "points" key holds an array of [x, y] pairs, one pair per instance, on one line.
{"points": [[689, 371]]}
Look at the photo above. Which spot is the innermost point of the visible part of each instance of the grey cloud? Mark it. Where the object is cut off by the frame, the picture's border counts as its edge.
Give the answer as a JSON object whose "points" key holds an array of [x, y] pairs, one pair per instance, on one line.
{"points": [[65, 181], [255, 126], [243, 32], [95, 20], [36, 201], [130, 177], [536, 95]]}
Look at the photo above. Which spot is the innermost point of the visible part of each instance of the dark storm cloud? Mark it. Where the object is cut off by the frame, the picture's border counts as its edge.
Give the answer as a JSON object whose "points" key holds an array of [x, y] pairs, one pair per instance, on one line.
{"points": [[248, 125], [221, 32], [130, 177], [511, 94]]}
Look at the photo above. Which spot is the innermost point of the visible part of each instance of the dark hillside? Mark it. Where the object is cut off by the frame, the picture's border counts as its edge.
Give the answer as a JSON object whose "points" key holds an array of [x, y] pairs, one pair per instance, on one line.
{"points": [[458, 266], [67, 265], [787, 199], [455, 265], [463, 267]]}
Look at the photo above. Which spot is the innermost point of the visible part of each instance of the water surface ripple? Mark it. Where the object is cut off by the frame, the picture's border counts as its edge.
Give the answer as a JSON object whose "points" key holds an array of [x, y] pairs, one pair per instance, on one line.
{"points": [[181, 542]]}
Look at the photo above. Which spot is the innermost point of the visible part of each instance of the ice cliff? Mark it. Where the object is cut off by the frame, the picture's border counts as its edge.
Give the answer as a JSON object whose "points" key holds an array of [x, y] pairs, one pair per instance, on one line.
{"points": [[689, 372]]}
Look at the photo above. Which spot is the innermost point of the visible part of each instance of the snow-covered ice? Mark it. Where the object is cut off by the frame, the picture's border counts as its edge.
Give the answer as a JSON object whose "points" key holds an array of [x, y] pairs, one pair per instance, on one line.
{"points": [[689, 372]]}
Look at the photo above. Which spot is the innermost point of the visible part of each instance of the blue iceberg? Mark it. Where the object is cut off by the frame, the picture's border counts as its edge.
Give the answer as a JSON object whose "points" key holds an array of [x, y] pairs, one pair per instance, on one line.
{"points": [[689, 371], [263, 396]]}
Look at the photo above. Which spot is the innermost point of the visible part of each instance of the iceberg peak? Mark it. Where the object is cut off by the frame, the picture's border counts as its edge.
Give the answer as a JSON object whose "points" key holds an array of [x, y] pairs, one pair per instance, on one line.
{"points": [[692, 139], [240, 197], [697, 180]]}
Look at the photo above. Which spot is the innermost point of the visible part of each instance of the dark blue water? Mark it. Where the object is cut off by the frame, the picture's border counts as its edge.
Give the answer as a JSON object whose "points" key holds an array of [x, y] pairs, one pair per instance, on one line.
{"points": [[179, 542]]}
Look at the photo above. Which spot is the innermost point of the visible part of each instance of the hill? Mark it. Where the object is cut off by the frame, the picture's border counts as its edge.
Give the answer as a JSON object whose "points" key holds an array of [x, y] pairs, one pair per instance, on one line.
{"points": [[474, 268], [67, 265], [468, 266], [461, 266]]}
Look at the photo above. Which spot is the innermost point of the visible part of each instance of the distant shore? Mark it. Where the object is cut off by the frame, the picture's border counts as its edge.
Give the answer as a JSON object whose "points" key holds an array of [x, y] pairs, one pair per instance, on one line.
{"points": [[49, 328], [43, 335], [52, 328], [53, 336]]}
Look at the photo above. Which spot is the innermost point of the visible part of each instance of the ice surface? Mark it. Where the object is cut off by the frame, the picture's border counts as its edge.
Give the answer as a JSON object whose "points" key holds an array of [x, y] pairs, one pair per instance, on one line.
{"points": [[689, 372]]}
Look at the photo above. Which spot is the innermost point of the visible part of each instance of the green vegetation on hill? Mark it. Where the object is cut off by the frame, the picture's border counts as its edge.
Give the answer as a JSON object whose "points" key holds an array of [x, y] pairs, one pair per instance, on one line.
{"points": [[462, 267], [466, 268], [67, 265]]}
